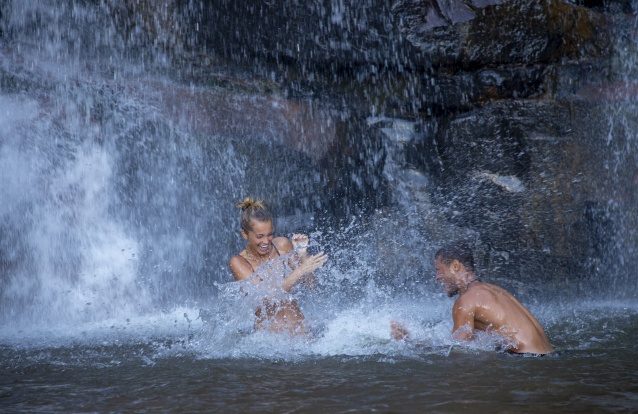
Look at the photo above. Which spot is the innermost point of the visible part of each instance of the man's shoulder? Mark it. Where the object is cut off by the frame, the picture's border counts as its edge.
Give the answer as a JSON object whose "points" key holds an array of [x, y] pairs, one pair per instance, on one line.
{"points": [[494, 289], [475, 294], [465, 300], [482, 295]]}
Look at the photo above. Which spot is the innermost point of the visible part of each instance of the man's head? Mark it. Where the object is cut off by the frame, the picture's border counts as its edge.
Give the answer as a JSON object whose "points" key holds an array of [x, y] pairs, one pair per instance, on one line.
{"points": [[454, 262], [458, 250]]}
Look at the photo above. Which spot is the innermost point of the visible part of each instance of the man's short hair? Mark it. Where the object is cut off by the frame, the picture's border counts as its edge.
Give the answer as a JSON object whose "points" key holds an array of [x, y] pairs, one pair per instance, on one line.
{"points": [[459, 250]]}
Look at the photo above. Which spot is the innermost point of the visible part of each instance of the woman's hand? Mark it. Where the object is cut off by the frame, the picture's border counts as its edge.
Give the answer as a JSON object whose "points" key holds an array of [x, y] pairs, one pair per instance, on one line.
{"points": [[299, 241], [312, 263], [308, 265]]}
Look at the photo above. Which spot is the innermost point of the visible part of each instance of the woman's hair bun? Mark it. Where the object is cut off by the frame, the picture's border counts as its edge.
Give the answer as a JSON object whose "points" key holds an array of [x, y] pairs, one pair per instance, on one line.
{"points": [[250, 202], [253, 209]]}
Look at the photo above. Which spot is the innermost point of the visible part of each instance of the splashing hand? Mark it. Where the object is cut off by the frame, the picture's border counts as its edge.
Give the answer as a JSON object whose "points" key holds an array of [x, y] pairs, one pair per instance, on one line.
{"points": [[399, 331], [307, 265], [312, 263], [299, 241]]}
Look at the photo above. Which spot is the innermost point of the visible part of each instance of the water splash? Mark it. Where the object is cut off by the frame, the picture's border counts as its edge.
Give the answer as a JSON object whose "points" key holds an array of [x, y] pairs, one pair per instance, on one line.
{"points": [[118, 190], [117, 202]]}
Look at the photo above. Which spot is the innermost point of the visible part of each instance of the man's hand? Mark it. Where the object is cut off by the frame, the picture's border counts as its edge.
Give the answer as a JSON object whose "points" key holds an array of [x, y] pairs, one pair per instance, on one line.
{"points": [[399, 331]]}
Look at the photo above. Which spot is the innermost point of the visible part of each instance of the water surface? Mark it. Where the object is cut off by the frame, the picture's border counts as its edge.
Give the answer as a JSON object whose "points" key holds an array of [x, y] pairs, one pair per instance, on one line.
{"points": [[176, 369]]}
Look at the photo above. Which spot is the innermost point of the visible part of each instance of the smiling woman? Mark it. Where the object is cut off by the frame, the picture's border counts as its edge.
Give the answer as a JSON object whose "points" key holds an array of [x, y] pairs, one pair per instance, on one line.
{"points": [[276, 263]]}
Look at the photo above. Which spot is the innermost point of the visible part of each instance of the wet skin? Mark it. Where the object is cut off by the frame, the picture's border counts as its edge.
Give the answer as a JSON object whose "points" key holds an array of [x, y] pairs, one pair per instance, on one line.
{"points": [[276, 315], [490, 308]]}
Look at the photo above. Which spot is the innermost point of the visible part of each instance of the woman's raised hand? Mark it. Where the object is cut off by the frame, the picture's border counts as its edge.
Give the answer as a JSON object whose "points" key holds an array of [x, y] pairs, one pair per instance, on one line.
{"points": [[307, 265], [312, 263], [299, 241]]}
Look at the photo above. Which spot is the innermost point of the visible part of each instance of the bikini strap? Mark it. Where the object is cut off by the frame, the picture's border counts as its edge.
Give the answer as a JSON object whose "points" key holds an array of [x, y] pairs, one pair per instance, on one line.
{"points": [[276, 249], [249, 264]]}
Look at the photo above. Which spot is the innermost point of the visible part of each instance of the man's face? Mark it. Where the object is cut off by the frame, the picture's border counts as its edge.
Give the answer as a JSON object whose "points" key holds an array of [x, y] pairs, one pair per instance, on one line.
{"points": [[447, 276]]}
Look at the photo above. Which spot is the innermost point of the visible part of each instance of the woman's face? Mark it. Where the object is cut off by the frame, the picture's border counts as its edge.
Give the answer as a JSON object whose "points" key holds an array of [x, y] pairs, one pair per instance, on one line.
{"points": [[260, 237]]}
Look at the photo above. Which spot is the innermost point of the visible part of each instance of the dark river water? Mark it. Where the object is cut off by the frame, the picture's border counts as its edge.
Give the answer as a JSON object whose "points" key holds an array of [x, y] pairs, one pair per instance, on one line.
{"points": [[164, 364]]}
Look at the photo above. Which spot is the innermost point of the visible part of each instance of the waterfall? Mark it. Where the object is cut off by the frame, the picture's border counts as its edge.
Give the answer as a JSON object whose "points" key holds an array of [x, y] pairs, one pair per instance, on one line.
{"points": [[126, 138], [117, 183]]}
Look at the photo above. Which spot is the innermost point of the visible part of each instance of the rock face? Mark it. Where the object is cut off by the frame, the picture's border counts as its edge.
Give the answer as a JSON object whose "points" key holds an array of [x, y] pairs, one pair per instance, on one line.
{"points": [[511, 123], [514, 111], [532, 32], [520, 150], [506, 122]]}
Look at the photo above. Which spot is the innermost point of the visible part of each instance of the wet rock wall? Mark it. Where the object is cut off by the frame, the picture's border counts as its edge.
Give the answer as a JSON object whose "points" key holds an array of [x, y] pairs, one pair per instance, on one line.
{"points": [[508, 104], [506, 122]]}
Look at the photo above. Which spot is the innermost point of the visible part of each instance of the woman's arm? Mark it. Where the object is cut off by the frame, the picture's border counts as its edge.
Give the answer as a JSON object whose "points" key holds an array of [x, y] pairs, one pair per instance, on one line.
{"points": [[298, 243], [308, 265]]}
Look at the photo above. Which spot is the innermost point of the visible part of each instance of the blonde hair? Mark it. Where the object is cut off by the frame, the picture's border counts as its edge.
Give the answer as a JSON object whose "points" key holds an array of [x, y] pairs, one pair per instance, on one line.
{"points": [[253, 209]]}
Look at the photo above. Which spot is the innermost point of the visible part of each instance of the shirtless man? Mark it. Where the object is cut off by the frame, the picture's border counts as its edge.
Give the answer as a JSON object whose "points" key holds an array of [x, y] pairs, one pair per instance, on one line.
{"points": [[483, 306]]}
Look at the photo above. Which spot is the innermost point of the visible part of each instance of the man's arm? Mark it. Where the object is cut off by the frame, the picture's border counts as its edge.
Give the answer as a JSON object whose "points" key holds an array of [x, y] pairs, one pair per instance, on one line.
{"points": [[398, 331], [463, 317]]}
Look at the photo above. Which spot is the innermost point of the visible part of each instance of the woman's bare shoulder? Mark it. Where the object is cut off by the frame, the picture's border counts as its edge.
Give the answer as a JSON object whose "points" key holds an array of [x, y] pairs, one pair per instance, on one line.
{"points": [[239, 267], [284, 245]]}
